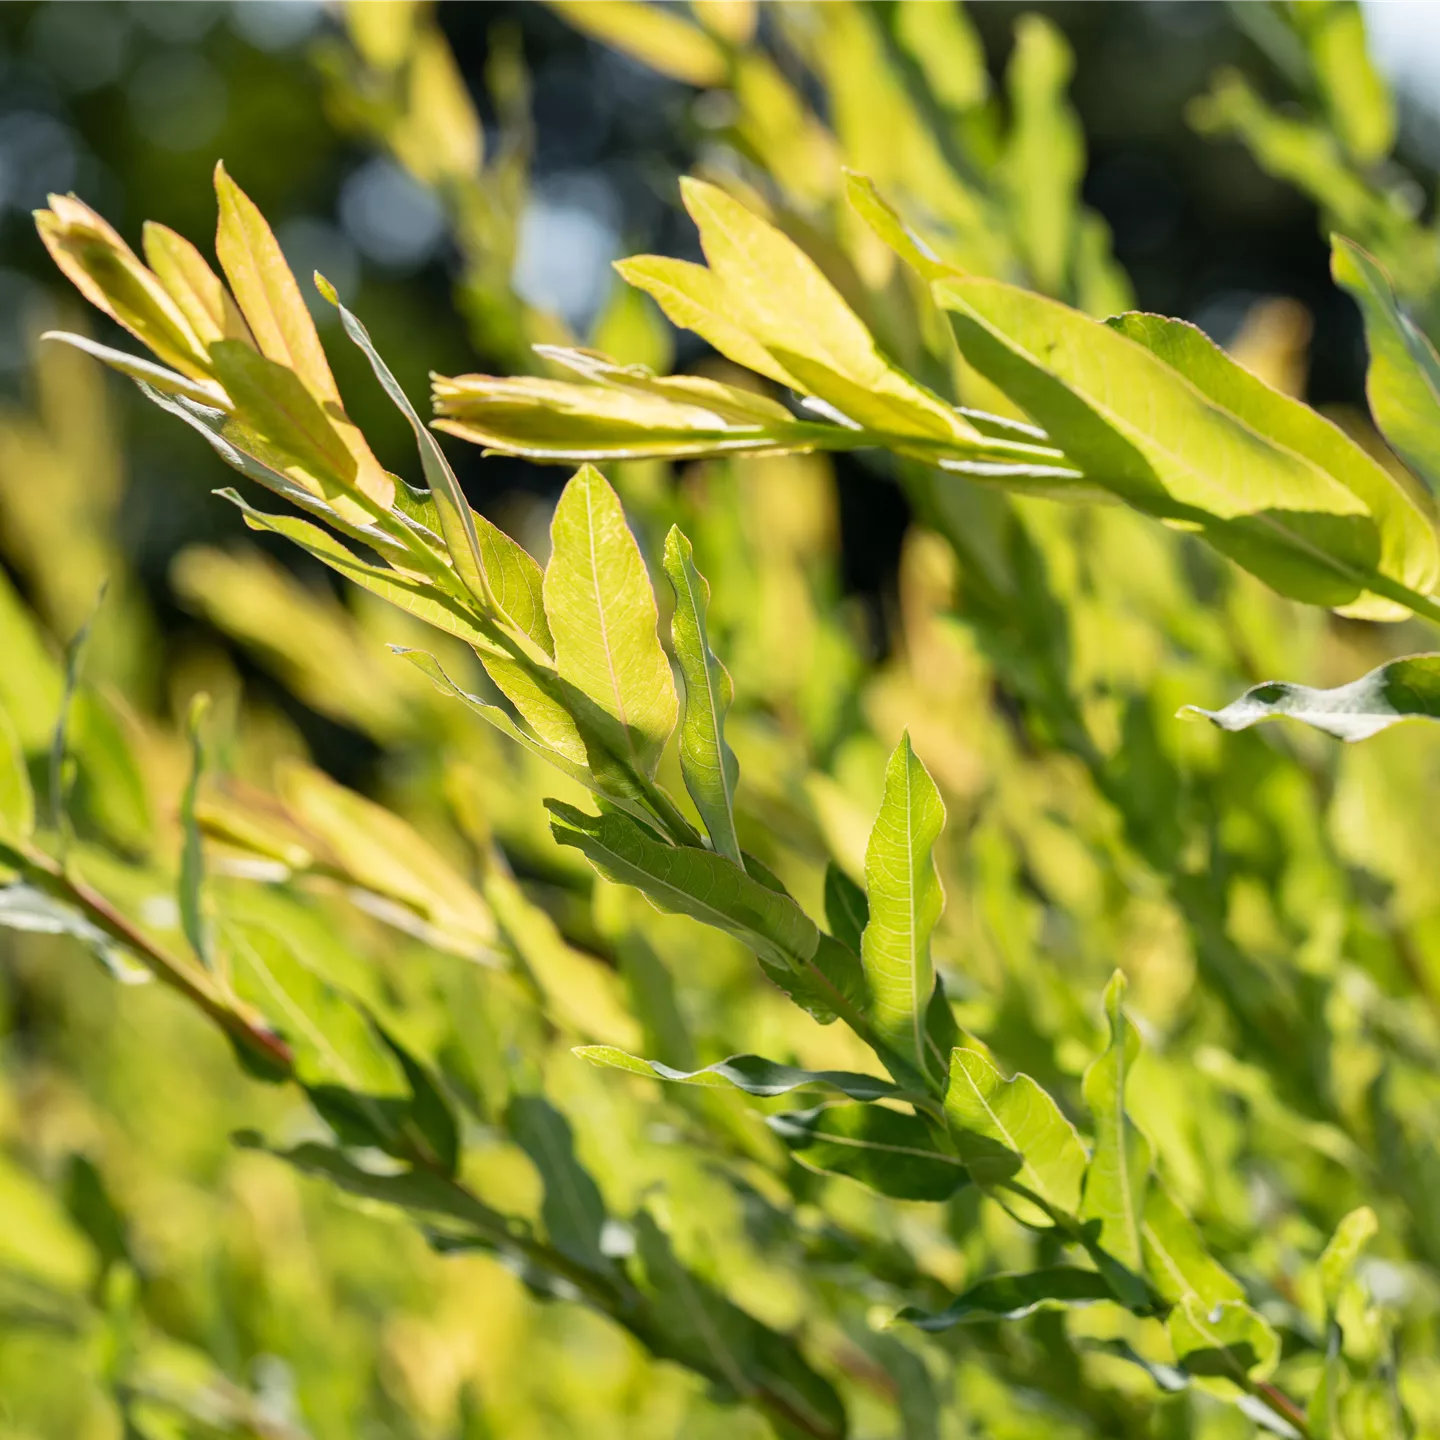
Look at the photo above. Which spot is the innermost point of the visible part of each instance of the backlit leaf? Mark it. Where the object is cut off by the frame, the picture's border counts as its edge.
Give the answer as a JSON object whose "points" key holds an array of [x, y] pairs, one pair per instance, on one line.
{"points": [[603, 618], [1227, 1344], [1012, 1131], [193, 919], [1409, 547], [17, 798], [1403, 380], [905, 904], [1118, 1178], [1176, 1260], [710, 768], [652, 34], [195, 288]]}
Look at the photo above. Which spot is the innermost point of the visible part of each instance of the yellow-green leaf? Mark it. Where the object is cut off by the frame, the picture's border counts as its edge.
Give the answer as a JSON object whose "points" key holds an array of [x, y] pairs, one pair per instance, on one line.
{"points": [[709, 765], [196, 289], [1118, 1178], [905, 903], [655, 35], [603, 618], [1013, 1132]]}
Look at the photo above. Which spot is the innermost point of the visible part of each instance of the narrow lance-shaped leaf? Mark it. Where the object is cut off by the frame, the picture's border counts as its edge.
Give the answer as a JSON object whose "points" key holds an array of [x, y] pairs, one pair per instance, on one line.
{"points": [[603, 618], [847, 911], [192, 856], [496, 571], [752, 1074], [572, 1211], [1403, 380], [1118, 1176], [272, 305], [888, 1151], [1405, 689], [17, 799], [1149, 436], [1012, 1297], [1409, 549], [709, 766], [1176, 1260], [1013, 1131], [689, 881], [905, 904]]}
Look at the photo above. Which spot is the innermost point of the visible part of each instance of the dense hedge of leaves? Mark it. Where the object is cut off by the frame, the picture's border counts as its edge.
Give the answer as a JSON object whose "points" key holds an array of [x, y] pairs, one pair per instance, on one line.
{"points": [[712, 1029]]}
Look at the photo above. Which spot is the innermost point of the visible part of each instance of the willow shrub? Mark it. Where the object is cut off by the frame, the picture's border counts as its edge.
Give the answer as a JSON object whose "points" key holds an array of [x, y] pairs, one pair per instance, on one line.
{"points": [[1071, 1071]]}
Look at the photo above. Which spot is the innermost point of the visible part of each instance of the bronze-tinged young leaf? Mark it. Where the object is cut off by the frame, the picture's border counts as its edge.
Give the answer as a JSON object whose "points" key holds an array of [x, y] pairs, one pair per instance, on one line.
{"points": [[1013, 1132], [1118, 1178], [196, 289], [752, 1074], [1409, 548], [887, 1151], [709, 766], [1404, 689], [689, 881], [603, 618], [108, 273], [781, 298], [1403, 380], [272, 305], [1149, 436], [1013, 1297], [905, 904]]}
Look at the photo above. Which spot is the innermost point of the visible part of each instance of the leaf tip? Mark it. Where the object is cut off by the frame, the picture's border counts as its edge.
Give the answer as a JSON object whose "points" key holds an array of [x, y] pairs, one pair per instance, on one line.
{"points": [[327, 289]]}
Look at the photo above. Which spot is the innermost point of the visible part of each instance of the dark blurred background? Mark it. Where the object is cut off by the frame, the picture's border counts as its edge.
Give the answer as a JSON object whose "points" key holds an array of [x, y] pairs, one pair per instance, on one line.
{"points": [[129, 105]]}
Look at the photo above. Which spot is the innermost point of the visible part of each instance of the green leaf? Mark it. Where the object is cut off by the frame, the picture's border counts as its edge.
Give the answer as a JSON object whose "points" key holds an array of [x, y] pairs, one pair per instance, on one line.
{"points": [[192, 856], [1012, 1131], [709, 766], [751, 1073], [1403, 380], [688, 1320], [688, 881], [1044, 156], [1118, 1177], [1409, 549], [1012, 1297], [602, 615], [572, 1211], [847, 911], [17, 799], [1176, 1260], [1344, 1249], [892, 1153], [331, 1037], [1148, 435], [1354, 91], [90, 1205], [905, 904], [430, 1116], [204, 392], [1404, 689], [1227, 1343], [426, 602]]}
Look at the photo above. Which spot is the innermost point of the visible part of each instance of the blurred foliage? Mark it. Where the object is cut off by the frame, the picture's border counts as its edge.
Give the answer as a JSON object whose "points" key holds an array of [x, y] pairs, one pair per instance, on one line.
{"points": [[441, 1221]]}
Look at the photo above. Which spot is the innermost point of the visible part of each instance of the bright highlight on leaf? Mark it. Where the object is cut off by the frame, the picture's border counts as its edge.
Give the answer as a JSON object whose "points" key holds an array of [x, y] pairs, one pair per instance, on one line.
{"points": [[1406, 689]]}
